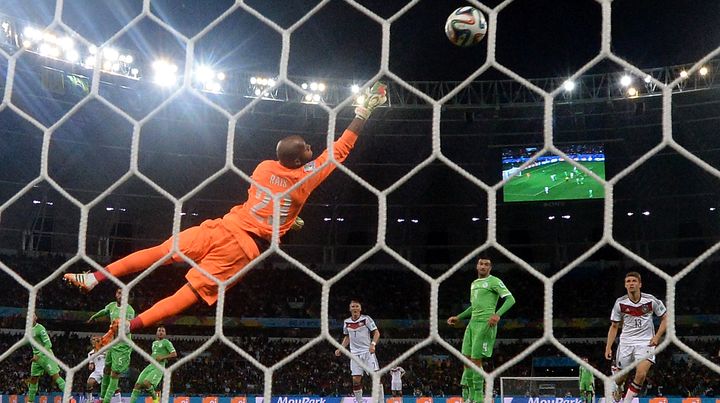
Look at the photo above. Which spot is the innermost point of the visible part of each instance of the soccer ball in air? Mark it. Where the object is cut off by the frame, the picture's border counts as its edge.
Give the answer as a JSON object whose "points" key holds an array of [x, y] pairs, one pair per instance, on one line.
{"points": [[466, 26]]}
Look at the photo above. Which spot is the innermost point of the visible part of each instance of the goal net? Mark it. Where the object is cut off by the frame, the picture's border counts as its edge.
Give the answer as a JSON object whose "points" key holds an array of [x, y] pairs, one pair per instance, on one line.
{"points": [[541, 390], [531, 389]]}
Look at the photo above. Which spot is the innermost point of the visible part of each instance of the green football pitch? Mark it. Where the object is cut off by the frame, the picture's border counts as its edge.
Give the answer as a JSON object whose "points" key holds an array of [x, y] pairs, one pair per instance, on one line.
{"points": [[556, 181]]}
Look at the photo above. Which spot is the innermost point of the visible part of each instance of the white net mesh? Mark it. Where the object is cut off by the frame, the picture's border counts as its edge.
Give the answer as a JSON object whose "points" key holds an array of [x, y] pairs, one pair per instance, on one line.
{"points": [[186, 89]]}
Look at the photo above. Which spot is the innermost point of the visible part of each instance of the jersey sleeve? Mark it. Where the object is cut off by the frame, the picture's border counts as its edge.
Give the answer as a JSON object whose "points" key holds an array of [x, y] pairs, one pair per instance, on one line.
{"points": [[341, 149], [659, 307], [500, 288], [371, 324], [345, 328], [169, 346], [615, 314]]}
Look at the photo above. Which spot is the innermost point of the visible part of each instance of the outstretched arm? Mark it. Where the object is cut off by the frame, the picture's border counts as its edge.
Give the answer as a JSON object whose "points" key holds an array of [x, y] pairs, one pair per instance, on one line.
{"points": [[99, 314]]}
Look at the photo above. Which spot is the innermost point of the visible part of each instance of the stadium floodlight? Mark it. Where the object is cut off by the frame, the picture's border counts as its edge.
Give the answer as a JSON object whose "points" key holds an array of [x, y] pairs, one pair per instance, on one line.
{"points": [[683, 74], [414, 221], [253, 80], [213, 86], [221, 76], [712, 208], [66, 43], [360, 99], [568, 85], [625, 80], [630, 213], [632, 92], [703, 71], [340, 219], [111, 54], [475, 219], [72, 55], [566, 216], [165, 73], [355, 88], [304, 86], [37, 202], [648, 79], [109, 209], [552, 217], [92, 49], [134, 72], [321, 87], [32, 33], [204, 74], [646, 213], [90, 62], [400, 220], [313, 86], [316, 97], [308, 97], [326, 219]]}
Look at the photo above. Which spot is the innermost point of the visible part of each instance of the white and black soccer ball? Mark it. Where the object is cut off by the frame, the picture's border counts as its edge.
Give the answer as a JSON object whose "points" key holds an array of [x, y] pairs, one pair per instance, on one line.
{"points": [[466, 26]]}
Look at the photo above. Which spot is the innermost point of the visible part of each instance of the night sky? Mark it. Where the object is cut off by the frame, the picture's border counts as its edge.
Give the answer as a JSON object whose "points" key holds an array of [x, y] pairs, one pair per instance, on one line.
{"points": [[536, 38]]}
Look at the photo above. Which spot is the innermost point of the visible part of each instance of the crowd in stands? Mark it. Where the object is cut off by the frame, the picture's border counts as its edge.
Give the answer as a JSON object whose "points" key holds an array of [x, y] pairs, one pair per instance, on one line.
{"points": [[430, 371], [273, 291]]}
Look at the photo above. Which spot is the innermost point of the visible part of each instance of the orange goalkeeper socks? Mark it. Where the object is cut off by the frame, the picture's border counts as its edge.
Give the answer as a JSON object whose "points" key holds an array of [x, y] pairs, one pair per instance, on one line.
{"points": [[170, 306], [135, 262]]}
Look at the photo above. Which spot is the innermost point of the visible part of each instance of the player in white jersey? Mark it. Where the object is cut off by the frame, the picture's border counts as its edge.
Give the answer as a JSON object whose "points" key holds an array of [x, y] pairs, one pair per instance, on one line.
{"points": [[362, 335], [396, 375], [638, 338], [96, 367]]}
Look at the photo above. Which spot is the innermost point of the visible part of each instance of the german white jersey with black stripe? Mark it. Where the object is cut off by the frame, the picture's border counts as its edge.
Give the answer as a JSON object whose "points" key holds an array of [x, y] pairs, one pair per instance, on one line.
{"points": [[637, 318]]}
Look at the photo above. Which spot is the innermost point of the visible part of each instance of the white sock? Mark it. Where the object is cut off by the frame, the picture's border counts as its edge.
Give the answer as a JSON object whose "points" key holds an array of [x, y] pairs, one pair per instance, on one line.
{"points": [[632, 391], [92, 281], [358, 395]]}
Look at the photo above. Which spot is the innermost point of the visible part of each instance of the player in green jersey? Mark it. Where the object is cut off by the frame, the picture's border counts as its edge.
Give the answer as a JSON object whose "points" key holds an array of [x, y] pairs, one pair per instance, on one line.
{"points": [[587, 383], [479, 338], [117, 358], [42, 364], [149, 379]]}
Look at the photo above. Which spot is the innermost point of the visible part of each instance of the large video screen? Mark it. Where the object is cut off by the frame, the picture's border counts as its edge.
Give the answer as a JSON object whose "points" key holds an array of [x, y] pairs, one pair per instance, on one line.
{"points": [[550, 177]]}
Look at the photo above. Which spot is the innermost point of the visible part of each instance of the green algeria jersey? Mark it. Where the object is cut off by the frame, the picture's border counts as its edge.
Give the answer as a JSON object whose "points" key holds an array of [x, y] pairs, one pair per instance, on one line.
{"points": [[113, 311], [162, 347], [586, 377], [41, 336], [484, 295]]}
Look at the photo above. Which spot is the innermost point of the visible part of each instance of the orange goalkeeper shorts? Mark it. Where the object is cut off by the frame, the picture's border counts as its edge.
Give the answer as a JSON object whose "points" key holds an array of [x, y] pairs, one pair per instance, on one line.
{"points": [[217, 251]]}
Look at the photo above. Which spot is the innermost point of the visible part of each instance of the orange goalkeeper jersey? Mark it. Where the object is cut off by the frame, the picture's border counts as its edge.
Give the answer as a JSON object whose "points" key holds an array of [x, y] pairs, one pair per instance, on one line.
{"points": [[256, 214]]}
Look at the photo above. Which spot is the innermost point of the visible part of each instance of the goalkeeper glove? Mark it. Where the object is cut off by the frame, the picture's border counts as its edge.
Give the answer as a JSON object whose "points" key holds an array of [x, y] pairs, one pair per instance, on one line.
{"points": [[297, 224], [374, 97]]}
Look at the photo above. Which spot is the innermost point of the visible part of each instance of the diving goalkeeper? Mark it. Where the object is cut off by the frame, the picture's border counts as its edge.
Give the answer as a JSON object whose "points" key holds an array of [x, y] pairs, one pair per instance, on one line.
{"points": [[223, 247]]}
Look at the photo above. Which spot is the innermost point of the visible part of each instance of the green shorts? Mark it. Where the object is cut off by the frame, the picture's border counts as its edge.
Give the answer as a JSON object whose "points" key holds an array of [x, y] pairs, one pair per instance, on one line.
{"points": [[150, 374], [586, 387], [479, 339], [44, 365], [118, 358]]}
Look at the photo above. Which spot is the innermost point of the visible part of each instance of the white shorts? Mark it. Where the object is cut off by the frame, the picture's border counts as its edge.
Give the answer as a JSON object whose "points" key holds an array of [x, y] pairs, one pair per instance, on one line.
{"points": [[629, 353], [366, 358], [97, 376], [396, 386]]}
